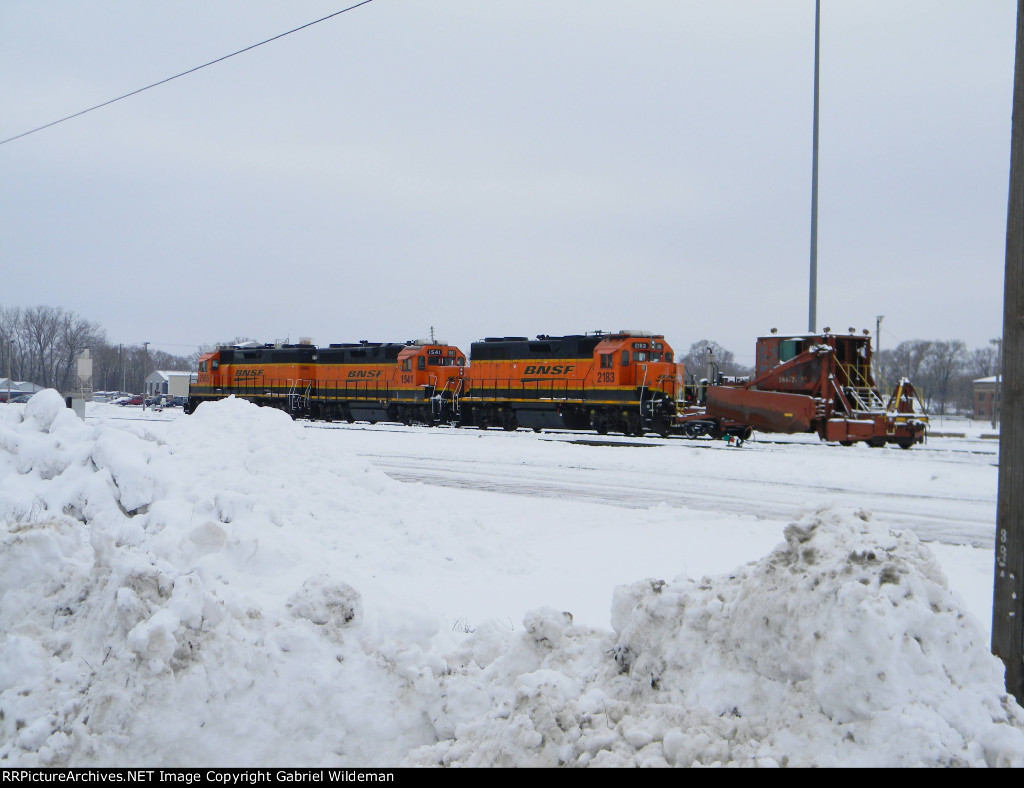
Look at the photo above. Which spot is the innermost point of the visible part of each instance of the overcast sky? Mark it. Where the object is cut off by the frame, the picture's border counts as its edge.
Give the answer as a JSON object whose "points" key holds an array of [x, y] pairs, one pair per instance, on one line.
{"points": [[506, 168]]}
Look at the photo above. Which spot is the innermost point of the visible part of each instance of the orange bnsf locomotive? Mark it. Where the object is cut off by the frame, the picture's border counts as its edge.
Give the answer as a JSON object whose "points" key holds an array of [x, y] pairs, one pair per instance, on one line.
{"points": [[410, 382], [624, 382]]}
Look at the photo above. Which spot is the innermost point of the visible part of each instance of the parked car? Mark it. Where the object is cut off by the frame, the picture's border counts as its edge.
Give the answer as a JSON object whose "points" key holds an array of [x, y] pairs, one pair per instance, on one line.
{"points": [[135, 399], [21, 398]]}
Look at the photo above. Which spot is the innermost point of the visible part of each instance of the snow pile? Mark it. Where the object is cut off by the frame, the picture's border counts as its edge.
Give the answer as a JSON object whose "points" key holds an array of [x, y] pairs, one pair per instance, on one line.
{"points": [[153, 613], [206, 592], [842, 647]]}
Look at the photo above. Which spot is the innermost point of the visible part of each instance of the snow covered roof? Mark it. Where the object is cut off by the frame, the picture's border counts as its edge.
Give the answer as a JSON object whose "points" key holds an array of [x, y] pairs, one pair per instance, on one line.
{"points": [[19, 385], [165, 375]]}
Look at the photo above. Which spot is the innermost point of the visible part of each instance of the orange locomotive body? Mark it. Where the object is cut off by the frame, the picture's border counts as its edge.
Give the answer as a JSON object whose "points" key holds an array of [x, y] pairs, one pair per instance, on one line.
{"points": [[409, 383], [623, 382], [372, 381]]}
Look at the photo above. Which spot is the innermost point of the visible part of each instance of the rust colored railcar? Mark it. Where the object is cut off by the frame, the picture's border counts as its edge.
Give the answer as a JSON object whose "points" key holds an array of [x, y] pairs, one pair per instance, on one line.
{"points": [[412, 382], [820, 383], [623, 382]]}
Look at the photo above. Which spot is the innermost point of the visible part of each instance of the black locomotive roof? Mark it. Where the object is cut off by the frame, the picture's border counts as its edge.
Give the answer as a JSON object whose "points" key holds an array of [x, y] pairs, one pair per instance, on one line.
{"points": [[500, 348], [289, 354], [361, 353]]}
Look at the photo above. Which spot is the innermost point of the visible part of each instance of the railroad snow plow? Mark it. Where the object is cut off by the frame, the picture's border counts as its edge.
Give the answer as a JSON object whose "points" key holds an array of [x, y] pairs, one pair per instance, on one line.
{"points": [[820, 383]]}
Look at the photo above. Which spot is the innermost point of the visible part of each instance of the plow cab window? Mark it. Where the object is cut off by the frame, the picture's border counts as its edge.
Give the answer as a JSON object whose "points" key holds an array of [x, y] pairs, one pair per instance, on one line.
{"points": [[789, 348]]}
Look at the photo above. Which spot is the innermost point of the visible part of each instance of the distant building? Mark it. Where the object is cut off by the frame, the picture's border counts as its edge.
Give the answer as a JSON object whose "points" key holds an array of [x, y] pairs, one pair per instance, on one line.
{"points": [[17, 388], [171, 383], [986, 397]]}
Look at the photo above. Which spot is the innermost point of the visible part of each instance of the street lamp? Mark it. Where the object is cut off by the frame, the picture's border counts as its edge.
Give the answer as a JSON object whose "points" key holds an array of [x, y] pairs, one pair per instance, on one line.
{"points": [[812, 307]]}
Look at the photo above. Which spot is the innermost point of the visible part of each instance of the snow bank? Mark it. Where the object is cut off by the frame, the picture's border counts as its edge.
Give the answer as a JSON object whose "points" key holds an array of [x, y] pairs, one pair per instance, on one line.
{"points": [[842, 647], [203, 592], [153, 613]]}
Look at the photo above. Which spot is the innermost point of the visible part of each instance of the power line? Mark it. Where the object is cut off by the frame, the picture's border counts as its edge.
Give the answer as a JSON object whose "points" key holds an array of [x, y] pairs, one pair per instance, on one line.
{"points": [[183, 73]]}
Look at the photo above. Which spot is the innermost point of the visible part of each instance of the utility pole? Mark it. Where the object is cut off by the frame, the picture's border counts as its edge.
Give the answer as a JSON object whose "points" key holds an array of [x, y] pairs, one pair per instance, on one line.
{"points": [[1008, 586], [10, 352], [812, 308], [145, 369], [878, 333], [996, 401]]}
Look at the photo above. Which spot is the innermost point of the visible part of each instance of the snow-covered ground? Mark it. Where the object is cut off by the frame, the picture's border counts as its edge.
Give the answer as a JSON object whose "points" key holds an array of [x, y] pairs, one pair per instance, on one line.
{"points": [[236, 589]]}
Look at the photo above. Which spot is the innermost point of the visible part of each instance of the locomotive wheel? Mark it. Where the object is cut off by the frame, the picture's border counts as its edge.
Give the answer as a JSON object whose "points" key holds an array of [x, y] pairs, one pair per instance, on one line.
{"points": [[904, 443], [877, 443]]}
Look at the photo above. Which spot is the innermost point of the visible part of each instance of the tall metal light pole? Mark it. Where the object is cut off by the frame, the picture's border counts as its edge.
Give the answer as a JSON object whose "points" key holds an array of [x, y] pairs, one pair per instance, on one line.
{"points": [[812, 317]]}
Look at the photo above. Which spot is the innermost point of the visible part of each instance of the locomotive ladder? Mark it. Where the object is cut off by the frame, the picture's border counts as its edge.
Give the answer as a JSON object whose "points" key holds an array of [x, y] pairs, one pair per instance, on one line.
{"points": [[865, 398], [295, 400]]}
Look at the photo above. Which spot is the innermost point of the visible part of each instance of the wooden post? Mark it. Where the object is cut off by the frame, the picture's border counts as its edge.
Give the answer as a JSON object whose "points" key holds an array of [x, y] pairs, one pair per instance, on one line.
{"points": [[1008, 591]]}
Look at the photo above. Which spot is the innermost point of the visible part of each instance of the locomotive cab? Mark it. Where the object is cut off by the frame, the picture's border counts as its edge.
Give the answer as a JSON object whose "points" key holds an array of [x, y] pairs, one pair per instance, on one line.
{"points": [[639, 359], [433, 366]]}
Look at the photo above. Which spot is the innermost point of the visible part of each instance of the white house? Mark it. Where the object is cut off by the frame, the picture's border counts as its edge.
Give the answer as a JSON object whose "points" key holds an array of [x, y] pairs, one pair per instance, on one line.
{"points": [[170, 382]]}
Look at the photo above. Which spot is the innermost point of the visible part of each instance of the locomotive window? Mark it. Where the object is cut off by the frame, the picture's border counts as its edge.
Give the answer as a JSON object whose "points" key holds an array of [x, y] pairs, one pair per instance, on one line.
{"points": [[406, 365], [461, 361], [655, 356], [607, 360], [420, 363], [668, 357], [433, 361], [215, 364], [202, 366], [639, 355], [625, 358]]}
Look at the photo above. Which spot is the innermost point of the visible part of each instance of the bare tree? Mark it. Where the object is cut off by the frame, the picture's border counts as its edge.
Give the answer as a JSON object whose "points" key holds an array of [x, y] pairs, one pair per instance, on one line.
{"points": [[695, 360], [940, 368]]}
